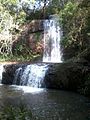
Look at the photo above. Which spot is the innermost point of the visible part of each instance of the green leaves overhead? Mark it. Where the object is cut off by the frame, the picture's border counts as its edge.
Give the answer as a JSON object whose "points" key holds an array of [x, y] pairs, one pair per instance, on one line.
{"points": [[75, 20]]}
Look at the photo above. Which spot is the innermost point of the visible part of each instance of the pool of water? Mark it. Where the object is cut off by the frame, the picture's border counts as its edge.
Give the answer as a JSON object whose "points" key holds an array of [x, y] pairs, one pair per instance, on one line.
{"points": [[47, 104]]}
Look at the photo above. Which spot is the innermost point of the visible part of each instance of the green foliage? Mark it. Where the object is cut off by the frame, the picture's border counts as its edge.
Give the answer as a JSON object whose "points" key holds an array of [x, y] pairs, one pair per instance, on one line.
{"points": [[74, 16], [12, 2], [75, 20], [21, 18], [16, 113], [66, 16], [9, 25]]}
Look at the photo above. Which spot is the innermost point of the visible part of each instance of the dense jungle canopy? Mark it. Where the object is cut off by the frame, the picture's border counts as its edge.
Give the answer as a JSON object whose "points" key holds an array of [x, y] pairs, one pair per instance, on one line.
{"points": [[18, 18]]}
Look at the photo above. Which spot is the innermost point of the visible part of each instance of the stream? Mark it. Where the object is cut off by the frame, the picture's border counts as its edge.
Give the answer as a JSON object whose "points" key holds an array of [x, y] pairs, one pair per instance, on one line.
{"points": [[47, 104]]}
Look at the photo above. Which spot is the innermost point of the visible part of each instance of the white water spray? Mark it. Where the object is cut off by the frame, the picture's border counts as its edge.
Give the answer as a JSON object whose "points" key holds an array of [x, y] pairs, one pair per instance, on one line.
{"points": [[32, 75], [1, 71], [52, 37]]}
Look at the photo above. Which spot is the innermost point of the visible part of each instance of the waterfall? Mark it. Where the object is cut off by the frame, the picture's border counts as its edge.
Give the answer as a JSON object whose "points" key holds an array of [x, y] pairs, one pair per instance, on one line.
{"points": [[1, 71], [52, 36], [32, 75]]}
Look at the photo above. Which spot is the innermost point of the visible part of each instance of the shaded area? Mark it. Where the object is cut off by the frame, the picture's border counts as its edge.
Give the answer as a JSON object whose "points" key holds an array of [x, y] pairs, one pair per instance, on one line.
{"points": [[47, 104]]}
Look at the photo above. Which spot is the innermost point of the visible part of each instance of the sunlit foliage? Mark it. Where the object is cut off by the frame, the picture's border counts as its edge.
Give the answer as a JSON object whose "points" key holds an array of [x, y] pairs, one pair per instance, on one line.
{"points": [[15, 15]]}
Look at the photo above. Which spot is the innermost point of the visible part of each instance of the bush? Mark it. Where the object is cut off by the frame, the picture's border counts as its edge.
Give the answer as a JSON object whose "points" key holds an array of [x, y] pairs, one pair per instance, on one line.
{"points": [[16, 113]]}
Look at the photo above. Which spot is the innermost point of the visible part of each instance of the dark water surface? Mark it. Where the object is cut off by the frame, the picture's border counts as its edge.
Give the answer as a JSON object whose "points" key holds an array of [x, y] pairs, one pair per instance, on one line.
{"points": [[47, 104]]}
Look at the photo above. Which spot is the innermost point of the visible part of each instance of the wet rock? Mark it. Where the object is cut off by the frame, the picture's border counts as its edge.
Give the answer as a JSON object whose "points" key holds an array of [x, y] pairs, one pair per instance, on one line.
{"points": [[74, 76], [9, 73], [67, 76]]}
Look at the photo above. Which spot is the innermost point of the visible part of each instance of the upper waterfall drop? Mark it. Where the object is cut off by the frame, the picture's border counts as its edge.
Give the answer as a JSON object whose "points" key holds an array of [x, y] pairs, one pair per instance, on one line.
{"points": [[52, 37]]}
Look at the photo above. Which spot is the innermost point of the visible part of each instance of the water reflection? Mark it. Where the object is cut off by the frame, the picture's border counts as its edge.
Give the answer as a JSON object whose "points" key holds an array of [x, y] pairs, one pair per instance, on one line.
{"points": [[47, 104]]}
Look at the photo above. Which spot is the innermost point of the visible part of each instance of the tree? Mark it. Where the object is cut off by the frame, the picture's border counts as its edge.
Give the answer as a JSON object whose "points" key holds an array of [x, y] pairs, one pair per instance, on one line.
{"points": [[74, 17]]}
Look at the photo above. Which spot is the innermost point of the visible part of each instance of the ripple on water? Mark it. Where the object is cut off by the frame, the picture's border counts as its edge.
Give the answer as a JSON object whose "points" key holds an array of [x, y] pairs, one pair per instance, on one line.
{"points": [[47, 104]]}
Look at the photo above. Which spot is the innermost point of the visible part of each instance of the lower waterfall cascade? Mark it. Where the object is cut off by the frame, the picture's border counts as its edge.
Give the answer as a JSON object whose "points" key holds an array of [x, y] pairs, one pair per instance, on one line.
{"points": [[32, 75]]}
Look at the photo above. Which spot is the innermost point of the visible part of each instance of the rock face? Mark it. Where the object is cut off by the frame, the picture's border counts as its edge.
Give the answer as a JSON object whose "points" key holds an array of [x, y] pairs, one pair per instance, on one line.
{"points": [[72, 75], [29, 41], [9, 72], [67, 76]]}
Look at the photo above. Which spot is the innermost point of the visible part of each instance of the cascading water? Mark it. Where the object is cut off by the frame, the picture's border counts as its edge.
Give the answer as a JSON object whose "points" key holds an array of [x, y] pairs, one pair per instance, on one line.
{"points": [[52, 36], [1, 71], [32, 75]]}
